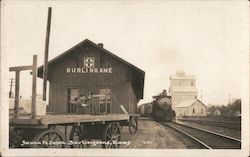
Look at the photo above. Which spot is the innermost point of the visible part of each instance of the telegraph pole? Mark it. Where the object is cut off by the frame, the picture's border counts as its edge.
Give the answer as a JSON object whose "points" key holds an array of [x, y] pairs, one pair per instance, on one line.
{"points": [[201, 95], [46, 53], [229, 103], [11, 83]]}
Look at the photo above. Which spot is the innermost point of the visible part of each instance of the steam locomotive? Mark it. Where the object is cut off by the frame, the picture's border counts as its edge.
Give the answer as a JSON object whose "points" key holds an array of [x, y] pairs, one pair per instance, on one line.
{"points": [[162, 107]]}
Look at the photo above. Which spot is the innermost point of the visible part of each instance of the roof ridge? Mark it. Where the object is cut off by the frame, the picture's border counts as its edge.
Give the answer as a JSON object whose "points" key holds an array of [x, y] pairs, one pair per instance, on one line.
{"points": [[94, 44], [189, 101]]}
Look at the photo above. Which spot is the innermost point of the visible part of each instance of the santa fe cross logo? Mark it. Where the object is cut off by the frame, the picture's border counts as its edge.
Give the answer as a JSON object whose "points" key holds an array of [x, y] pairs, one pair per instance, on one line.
{"points": [[89, 62]]}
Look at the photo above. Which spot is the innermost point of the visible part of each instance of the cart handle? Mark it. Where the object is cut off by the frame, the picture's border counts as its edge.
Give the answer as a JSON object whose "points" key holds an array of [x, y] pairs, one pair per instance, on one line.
{"points": [[123, 109]]}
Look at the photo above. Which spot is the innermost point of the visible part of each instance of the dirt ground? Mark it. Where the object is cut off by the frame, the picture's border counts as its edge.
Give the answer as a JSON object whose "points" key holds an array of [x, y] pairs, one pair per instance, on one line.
{"points": [[151, 136]]}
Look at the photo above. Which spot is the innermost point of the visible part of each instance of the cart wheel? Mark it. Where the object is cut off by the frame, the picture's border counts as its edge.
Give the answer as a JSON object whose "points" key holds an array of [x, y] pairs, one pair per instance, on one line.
{"points": [[111, 135], [14, 139], [133, 125], [49, 139], [76, 135]]}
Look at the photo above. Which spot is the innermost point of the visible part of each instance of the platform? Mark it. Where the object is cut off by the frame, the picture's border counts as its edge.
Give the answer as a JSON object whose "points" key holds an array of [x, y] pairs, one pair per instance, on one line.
{"points": [[65, 119]]}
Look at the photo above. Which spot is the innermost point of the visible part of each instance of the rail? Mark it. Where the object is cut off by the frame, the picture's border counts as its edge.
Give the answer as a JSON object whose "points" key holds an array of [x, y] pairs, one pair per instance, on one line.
{"points": [[236, 126], [208, 139]]}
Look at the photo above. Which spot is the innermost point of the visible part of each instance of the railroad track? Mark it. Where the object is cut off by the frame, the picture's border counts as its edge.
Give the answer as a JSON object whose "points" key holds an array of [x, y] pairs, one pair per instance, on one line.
{"points": [[204, 138], [229, 125]]}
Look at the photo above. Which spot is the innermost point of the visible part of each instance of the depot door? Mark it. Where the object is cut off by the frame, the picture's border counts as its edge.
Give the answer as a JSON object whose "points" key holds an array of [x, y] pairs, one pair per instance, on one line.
{"points": [[72, 98], [105, 101]]}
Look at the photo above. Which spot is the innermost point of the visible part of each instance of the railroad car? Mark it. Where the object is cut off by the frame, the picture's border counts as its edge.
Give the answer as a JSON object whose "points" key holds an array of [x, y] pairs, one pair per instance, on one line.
{"points": [[146, 109], [162, 107]]}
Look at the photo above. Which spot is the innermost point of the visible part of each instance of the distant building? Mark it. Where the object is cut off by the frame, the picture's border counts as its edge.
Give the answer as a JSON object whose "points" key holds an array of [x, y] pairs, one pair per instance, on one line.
{"points": [[191, 108], [182, 87], [237, 114], [217, 112]]}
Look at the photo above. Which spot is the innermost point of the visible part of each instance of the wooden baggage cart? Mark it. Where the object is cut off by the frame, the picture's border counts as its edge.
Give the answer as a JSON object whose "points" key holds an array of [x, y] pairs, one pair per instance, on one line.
{"points": [[132, 123], [30, 130], [44, 132]]}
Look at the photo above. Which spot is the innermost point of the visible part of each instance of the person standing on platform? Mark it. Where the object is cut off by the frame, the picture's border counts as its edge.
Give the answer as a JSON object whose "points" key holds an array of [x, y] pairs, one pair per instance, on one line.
{"points": [[82, 105]]}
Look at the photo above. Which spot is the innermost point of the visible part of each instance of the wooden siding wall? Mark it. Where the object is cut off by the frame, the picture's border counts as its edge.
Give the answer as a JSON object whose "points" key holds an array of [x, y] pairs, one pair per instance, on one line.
{"points": [[133, 100], [118, 81]]}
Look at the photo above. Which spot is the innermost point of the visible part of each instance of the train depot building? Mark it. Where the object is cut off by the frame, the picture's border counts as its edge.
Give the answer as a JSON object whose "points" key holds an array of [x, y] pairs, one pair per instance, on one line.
{"points": [[89, 68]]}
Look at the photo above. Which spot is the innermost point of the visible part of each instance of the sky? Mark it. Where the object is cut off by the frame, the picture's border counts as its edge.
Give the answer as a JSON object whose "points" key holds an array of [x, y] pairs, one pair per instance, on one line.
{"points": [[207, 39]]}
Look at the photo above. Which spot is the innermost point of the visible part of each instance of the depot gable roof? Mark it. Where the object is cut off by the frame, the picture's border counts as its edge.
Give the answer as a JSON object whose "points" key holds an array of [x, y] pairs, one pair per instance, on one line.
{"points": [[87, 41], [139, 80]]}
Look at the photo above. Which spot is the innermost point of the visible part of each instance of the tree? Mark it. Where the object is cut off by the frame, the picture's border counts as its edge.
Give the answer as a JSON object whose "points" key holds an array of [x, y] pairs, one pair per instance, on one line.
{"points": [[235, 106]]}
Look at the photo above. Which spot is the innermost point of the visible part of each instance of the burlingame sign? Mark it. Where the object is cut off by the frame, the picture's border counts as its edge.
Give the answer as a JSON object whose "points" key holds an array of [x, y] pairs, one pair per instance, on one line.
{"points": [[89, 67]]}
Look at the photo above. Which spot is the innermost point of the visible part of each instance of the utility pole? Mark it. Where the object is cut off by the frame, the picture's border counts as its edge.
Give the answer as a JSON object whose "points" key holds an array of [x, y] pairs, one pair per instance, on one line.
{"points": [[201, 95], [229, 103], [11, 83], [46, 53]]}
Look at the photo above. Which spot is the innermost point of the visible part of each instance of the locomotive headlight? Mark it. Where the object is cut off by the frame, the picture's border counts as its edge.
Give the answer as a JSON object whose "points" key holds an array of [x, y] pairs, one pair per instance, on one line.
{"points": [[165, 103]]}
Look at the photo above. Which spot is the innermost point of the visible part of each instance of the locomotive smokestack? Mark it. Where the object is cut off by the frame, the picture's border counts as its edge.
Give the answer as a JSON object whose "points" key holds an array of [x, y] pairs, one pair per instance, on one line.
{"points": [[46, 53]]}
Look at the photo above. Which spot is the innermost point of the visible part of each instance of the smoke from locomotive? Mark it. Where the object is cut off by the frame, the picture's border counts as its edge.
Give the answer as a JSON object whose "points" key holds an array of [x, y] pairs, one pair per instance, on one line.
{"points": [[162, 107]]}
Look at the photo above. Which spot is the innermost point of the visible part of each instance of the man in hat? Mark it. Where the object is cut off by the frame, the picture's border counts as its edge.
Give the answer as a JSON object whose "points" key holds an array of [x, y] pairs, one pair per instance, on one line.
{"points": [[82, 104]]}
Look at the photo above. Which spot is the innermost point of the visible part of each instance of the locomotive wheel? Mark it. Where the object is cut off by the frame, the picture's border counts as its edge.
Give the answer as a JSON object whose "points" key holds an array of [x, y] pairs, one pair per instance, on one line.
{"points": [[133, 125], [49, 139], [14, 139], [111, 135], [76, 135]]}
